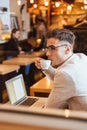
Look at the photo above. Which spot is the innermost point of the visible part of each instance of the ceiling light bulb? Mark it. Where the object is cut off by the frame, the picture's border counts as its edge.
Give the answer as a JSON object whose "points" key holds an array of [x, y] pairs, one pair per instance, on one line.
{"points": [[19, 2]]}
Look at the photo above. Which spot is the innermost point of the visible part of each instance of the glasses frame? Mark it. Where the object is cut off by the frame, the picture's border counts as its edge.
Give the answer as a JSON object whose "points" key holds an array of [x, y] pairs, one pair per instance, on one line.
{"points": [[51, 48]]}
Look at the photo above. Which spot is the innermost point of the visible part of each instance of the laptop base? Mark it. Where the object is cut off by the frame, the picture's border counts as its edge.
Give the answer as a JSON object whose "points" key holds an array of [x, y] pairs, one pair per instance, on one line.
{"points": [[29, 101]]}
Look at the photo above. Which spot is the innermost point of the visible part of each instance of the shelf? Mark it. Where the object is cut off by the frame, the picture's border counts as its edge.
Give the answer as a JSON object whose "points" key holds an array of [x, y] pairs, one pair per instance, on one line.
{"points": [[3, 12], [2, 41]]}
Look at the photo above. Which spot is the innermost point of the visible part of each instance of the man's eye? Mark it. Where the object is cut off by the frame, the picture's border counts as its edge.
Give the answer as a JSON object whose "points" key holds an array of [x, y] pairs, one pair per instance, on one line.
{"points": [[51, 47]]}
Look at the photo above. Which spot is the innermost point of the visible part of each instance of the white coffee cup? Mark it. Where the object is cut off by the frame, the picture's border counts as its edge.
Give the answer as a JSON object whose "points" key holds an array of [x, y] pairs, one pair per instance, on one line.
{"points": [[45, 64]]}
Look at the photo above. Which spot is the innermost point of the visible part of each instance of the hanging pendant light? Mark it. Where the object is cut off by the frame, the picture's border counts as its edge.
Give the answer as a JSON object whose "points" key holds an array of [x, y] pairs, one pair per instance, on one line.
{"points": [[46, 3], [31, 1], [19, 2]]}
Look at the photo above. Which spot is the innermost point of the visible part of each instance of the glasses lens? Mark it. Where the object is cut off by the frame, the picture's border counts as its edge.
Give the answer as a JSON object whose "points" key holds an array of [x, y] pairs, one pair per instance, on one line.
{"points": [[50, 48]]}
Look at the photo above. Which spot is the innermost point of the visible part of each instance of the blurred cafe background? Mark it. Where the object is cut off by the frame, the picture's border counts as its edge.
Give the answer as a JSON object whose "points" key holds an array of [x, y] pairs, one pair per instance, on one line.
{"points": [[34, 18], [24, 14]]}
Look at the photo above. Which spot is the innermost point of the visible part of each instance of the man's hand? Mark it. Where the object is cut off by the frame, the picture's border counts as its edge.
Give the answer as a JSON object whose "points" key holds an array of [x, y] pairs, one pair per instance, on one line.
{"points": [[37, 63]]}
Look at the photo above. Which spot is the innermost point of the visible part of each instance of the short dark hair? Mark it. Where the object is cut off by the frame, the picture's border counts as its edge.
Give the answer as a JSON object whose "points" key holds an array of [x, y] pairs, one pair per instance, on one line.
{"points": [[14, 30], [62, 35]]}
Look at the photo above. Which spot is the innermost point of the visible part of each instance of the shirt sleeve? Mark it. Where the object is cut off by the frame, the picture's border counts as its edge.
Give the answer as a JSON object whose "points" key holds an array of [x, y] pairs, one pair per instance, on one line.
{"points": [[50, 73], [63, 89]]}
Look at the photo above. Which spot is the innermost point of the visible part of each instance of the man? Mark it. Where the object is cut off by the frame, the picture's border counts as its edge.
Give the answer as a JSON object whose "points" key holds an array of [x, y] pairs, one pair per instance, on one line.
{"points": [[70, 73]]}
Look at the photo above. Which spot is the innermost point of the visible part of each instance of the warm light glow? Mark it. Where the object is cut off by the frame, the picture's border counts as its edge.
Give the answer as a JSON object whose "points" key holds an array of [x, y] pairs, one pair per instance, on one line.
{"points": [[46, 3], [85, 1], [5, 36], [57, 4], [38, 40], [69, 7], [82, 8], [85, 6], [31, 1], [35, 5], [67, 113], [19, 2]]}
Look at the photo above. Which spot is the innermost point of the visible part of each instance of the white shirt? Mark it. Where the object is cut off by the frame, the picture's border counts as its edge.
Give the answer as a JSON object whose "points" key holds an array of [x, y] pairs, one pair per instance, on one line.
{"points": [[70, 84]]}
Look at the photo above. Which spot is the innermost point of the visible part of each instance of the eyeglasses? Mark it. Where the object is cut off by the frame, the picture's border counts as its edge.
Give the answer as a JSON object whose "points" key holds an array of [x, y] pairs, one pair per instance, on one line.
{"points": [[51, 48]]}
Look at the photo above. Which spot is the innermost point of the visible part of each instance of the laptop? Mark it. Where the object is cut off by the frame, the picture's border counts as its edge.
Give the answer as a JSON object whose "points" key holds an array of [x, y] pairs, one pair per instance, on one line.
{"points": [[17, 92]]}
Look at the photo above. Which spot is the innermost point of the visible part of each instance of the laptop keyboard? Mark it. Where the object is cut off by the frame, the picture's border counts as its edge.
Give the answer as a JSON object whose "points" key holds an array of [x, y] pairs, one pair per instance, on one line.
{"points": [[29, 101]]}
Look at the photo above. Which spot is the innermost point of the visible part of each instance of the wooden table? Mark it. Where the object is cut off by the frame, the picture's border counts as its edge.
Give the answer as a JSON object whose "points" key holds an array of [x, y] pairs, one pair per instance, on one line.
{"points": [[22, 61], [23, 118], [4, 69], [43, 86], [6, 72], [39, 104], [33, 54]]}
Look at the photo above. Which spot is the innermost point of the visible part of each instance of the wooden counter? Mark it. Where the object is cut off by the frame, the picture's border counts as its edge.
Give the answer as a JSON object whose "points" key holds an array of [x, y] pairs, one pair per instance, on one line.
{"points": [[43, 86]]}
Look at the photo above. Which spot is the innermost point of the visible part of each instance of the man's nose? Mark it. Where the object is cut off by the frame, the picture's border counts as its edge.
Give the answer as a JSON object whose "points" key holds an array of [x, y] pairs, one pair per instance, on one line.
{"points": [[47, 53]]}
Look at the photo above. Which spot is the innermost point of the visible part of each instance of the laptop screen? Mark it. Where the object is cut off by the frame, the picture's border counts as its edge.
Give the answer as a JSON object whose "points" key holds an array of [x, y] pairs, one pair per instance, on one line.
{"points": [[16, 89]]}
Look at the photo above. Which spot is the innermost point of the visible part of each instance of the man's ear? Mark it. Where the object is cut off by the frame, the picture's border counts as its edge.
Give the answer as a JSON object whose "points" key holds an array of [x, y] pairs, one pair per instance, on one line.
{"points": [[68, 48]]}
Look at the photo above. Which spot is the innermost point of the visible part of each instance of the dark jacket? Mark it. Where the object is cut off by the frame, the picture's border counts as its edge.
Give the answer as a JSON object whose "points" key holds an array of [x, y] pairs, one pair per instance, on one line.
{"points": [[11, 48]]}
